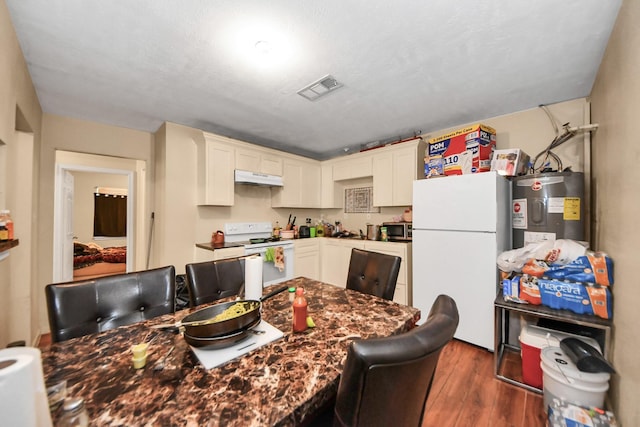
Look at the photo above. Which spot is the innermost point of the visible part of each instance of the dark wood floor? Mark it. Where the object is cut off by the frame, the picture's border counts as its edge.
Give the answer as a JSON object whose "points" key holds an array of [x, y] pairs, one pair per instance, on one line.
{"points": [[466, 393]]}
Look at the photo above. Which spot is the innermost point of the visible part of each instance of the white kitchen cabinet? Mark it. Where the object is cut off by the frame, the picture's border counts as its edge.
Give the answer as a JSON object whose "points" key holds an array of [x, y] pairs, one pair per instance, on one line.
{"points": [[332, 192], [301, 185], [357, 165], [394, 170], [334, 258], [307, 258], [256, 160], [402, 250], [335, 255], [216, 160], [202, 255]]}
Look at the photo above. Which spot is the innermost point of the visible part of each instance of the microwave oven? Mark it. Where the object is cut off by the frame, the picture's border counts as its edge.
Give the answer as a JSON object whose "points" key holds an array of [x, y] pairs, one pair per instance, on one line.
{"points": [[398, 231]]}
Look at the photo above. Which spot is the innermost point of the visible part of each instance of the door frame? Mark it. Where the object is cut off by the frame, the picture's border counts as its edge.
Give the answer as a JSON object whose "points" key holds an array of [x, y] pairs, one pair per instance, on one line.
{"points": [[80, 162]]}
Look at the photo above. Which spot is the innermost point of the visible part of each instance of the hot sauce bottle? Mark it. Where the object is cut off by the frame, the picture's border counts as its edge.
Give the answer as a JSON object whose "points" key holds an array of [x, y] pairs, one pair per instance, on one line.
{"points": [[299, 311]]}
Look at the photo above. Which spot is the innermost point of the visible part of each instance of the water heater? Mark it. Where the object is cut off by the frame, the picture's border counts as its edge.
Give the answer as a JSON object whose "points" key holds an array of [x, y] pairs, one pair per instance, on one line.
{"points": [[547, 206]]}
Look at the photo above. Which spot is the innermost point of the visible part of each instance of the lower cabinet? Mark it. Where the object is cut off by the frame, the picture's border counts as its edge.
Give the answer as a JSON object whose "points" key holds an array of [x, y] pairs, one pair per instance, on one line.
{"points": [[402, 250], [307, 258], [203, 255], [335, 258], [335, 255]]}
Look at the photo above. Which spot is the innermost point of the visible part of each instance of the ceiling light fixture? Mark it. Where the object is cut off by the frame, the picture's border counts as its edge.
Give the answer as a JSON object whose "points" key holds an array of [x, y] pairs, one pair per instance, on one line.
{"points": [[263, 47], [320, 88]]}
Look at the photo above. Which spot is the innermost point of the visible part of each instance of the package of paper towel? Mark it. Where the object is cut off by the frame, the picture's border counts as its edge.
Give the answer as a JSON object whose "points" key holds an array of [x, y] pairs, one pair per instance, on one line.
{"points": [[23, 396]]}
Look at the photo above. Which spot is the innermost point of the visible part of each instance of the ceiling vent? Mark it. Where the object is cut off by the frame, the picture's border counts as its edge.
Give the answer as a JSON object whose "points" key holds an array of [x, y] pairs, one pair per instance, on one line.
{"points": [[320, 88]]}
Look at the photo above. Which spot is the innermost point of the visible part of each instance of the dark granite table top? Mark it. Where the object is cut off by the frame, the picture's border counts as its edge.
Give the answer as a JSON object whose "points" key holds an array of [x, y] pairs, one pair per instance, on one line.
{"points": [[280, 383]]}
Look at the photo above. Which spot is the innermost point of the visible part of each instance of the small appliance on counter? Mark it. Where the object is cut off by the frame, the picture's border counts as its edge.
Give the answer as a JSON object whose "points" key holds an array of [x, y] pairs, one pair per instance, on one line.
{"points": [[217, 239], [399, 231], [373, 232]]}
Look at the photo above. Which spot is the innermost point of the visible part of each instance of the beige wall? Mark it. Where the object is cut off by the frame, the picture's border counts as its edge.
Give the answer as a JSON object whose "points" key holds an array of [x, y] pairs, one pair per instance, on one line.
{"points": [[616, 155], [179, 223], [72, 135], [17, 280]]}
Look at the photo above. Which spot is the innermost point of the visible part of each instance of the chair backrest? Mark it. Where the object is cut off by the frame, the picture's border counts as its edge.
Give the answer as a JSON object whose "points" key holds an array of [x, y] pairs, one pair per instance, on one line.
{"points": [[91, 306], [211, 280], [373, 273], [386, 381]]}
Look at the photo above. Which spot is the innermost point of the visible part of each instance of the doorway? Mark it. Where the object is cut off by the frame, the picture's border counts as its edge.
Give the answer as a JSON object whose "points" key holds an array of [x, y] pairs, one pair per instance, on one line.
{"points": [[70, 163]]}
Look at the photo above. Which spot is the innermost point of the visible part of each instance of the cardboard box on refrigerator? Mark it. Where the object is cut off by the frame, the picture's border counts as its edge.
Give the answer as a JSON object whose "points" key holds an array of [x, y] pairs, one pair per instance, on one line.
{"points": [[466, 150], [510, 162]]}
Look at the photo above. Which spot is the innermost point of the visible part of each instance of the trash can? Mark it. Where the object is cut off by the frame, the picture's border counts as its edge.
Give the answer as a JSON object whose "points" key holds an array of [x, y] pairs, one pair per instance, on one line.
{"points": [[562, 380]]}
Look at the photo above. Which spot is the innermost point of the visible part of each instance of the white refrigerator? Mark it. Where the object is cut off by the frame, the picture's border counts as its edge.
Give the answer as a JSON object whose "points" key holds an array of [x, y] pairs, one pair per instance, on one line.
{"points": [[460, 224]]}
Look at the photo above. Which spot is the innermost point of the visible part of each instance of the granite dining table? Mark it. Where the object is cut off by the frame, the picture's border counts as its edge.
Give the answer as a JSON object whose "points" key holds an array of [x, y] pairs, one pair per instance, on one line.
{"points": [[282, 383]]}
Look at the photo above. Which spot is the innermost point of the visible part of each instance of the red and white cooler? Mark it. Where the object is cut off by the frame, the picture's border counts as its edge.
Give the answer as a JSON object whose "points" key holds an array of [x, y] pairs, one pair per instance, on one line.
{"points": [[532, 340]]}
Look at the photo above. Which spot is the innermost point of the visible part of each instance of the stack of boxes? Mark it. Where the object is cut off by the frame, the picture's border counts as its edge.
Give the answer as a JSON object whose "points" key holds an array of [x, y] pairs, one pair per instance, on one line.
{"points": [[464, 151]]}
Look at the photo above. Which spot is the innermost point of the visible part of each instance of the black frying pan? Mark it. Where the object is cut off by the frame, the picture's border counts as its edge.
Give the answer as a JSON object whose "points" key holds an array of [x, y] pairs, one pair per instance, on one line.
{"points": [[201, 323], [223, 341]]}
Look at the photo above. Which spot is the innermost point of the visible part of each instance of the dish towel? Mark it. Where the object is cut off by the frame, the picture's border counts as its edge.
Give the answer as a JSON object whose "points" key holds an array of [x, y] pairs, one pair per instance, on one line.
{"points": [[276, 256]]}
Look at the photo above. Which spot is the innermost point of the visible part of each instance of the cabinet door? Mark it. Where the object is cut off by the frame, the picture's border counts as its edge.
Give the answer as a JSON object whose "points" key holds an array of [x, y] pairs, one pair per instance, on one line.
{"points": [[215, 173], [310, 186], [257, 161], [354, 166], [335, 257], [399, 250], [307, 258], [202, 255], [331, 191], [228, 253], [383, 179], [271, 164], [404, 173], [247, 160], [301, 186], [291, 192]]}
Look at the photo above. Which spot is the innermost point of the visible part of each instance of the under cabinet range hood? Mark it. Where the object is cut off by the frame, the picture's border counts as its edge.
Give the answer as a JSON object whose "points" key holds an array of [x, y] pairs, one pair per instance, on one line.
{"points": [[256, 178]]}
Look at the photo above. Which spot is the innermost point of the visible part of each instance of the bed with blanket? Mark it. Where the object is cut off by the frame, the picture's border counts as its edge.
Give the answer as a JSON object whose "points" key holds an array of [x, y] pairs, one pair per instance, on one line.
{"points": [[91, 260]]}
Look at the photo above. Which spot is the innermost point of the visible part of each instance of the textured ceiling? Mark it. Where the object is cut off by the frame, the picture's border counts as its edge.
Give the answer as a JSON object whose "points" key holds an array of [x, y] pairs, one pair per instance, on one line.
{"points": [[406, 66]]}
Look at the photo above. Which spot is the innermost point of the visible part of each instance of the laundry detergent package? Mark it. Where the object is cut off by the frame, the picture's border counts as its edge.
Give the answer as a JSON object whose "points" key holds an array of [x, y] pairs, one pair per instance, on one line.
{"points": [[594, 267], [580, 298], [566, 414], [464, 151]]}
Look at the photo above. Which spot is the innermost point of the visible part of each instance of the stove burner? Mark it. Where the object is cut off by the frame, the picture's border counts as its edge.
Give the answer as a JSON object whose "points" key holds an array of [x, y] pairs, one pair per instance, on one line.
{"points": [[263, 240]]}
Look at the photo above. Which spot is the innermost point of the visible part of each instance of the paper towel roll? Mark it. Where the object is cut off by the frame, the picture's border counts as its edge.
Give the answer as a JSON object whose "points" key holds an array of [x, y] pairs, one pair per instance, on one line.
{"points": [[23, 395], [253, 278]]}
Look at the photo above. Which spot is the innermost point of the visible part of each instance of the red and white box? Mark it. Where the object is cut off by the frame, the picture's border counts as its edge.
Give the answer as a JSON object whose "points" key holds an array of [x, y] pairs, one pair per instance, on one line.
{"points": [[467, 150]]}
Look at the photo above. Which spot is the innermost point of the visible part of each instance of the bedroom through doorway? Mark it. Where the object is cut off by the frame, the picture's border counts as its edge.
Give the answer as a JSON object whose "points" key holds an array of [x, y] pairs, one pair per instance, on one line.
{"points": [[99, 224], [77, 177]]}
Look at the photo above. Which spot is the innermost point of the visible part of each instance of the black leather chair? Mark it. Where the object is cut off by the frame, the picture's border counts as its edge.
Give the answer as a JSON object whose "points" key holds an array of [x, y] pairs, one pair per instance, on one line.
{"points": [[373, 273], [211, 280], [90, 306], [386, 381]]}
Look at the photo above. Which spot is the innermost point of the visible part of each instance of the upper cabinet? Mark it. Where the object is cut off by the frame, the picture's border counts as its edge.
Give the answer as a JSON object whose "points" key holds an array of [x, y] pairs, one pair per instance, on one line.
{"points": [[394, 170], [216, 160], [301, 189], [351, 167], [255, 160], [331, 191]]}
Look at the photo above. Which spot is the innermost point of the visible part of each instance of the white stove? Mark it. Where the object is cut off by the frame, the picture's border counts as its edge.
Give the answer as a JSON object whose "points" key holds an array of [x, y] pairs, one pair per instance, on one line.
{"points": [[243, 232]]}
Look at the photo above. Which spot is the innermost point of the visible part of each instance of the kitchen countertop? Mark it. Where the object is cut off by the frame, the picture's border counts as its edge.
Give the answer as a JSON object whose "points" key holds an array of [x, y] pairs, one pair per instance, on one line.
{"points": [[281, 383], [209, 246]]}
